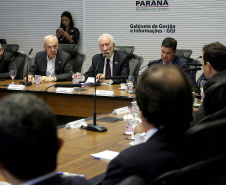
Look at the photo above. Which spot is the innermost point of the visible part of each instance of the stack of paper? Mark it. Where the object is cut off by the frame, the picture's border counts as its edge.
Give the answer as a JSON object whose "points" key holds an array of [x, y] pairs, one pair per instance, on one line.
{"points": [[105, 155]]}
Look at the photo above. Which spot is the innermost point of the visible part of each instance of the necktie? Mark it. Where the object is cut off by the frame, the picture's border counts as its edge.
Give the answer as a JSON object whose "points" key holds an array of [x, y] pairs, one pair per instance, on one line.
{"points": [[108, 68]]}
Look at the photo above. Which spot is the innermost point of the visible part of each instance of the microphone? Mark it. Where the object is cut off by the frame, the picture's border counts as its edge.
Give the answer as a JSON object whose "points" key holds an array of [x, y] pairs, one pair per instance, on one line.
{"points": [[115, 77], [96, 127], [67, 85], [26, 83]]}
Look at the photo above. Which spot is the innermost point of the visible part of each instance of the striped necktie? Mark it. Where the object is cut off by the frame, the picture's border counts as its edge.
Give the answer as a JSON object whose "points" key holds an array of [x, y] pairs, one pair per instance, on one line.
{"points": [[108, 68]]}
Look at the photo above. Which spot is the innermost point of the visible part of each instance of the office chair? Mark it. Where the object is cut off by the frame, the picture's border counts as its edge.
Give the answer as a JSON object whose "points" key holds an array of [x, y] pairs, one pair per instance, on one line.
{"points": [[78, 62], [194, 65], [126, 49], [134, 65], [20, 59], [211, 171], [69, 48], [185, 53], [12, 48]]}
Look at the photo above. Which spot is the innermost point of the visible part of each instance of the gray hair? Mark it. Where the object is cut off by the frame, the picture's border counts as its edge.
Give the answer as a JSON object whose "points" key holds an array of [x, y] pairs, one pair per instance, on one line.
{"points": [[48, 36], [108, 35]]}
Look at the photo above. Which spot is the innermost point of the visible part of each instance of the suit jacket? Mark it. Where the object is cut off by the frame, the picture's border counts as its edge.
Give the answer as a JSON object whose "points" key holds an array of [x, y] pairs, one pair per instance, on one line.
{"points": [[182, 62], [218, 77], [147, 160], [7, 64], [63, 68], [120, 66], [58, 180]]}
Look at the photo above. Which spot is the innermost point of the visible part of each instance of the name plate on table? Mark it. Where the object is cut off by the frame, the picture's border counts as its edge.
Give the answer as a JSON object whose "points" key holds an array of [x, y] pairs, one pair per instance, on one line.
{"points": [[76, 124], [105, 93], [122, 110], [64, 90], [16, 87]]}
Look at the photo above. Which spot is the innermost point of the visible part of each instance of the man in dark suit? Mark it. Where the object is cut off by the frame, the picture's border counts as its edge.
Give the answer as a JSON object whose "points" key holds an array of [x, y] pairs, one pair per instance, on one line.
{"points": [[109, 62], [6, 63], [168, 51], [29, 143], [164, 97], [52, 64], [214, 69]]}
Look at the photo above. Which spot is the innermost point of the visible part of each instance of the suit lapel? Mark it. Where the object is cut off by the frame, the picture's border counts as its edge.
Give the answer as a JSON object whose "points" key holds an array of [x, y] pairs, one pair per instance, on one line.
{"points": [[100, 68], [43, 66], [58, 63], [115, 63]]}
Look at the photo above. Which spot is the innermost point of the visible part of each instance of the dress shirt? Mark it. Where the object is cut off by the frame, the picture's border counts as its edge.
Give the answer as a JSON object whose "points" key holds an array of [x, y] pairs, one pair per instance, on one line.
{"points": [[38, 179], [50, 71], [111, 64], [150, 133], [167, 62]]}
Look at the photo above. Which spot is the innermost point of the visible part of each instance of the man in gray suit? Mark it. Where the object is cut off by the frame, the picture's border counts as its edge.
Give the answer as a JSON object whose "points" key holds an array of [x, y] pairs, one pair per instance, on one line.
{"points": [[52, 64]]}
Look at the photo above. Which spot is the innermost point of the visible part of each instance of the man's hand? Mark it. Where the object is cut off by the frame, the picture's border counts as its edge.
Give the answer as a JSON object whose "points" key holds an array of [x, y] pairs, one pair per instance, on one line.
{"points": [[101, 77], [30, 78], [47, 79], [77, 76]]}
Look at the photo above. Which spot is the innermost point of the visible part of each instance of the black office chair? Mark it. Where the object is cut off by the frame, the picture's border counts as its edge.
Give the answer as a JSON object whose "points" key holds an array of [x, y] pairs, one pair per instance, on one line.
{"points": [[126, 49], [12, 48], [214, 103], [194, 66], [185, 53], [134, 65], [69, 48], [78, 62], [211, 171], [20, 58]]}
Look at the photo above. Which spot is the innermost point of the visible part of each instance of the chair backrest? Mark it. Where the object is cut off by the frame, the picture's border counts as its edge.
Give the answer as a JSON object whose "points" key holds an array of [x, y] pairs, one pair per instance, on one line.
{"points": [[205, 140], [211, 171], [126, 49], [185, 53], [215, 98], [132, 180], [78, 61], [13, 48], [134, 65], [20, 61], [69, 48], [194, 64]]}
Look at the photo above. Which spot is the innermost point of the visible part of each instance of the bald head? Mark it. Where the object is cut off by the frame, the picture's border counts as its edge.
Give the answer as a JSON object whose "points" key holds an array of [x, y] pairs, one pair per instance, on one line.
{"points": [[164, 95]]}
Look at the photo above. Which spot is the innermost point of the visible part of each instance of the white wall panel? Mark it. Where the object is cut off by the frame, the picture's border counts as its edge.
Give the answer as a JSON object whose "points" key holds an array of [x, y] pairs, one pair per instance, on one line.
{"points": [[26, 22]]}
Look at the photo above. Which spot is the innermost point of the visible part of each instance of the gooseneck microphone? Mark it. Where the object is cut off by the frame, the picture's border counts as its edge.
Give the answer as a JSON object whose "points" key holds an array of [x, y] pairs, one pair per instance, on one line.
{"points": [[96, 127], [26, 83]]}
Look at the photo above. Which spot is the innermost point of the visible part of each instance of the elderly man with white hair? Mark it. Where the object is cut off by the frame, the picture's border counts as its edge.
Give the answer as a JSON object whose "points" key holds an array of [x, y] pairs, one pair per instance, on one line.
{"points": [[52, 64], [109, 62]]}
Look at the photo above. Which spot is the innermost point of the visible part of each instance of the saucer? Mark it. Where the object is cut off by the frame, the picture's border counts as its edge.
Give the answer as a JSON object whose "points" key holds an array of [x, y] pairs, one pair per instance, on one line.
{"points": [[121, 88]]}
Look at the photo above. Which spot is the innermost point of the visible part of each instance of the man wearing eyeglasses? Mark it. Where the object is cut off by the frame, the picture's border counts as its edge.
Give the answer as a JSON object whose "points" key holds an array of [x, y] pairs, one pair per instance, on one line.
{"points": [[52, 64], [6, 63]]}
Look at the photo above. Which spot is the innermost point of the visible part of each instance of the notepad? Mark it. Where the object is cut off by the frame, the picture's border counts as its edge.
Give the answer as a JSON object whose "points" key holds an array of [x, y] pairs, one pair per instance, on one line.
{"points": [[105, 155]]}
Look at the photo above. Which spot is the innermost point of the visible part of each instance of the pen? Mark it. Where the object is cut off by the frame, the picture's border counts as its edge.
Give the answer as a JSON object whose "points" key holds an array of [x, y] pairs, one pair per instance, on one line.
{"points": [[69, 174]]}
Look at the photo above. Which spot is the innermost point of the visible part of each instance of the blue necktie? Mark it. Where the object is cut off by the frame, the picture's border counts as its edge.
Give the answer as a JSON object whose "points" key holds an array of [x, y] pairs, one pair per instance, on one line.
{"points": [[108, 68]]}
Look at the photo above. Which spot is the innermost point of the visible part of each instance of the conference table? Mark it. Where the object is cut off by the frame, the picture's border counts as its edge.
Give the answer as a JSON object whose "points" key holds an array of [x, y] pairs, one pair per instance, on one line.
{"points": [[75, 154], [79, 103]]}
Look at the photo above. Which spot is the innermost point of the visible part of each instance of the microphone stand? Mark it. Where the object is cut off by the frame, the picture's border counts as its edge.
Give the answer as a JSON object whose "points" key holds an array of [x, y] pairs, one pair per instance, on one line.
{"points": [[96, 127], [26, 83]]}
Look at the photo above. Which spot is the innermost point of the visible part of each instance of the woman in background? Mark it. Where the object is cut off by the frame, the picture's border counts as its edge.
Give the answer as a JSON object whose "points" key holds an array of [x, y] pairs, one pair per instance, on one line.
{"points": [[67, 33]]}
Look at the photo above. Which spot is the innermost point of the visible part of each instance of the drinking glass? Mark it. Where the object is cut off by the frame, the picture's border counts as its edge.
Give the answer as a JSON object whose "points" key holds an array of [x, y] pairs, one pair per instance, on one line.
{"points": [[133, 121], [130, 79], [12, 74]]}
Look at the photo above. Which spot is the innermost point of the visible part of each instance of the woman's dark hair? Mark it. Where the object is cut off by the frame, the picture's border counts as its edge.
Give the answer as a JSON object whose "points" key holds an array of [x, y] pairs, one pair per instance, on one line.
{"points": [[68, 15]]}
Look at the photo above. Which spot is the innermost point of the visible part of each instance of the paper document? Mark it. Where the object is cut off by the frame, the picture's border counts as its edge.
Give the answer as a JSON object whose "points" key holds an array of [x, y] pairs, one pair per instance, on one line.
{"points": [[91, 80], [105, 155]]}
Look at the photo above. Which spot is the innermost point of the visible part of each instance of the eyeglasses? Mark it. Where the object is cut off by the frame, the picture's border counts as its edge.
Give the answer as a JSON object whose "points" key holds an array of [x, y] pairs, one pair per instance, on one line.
{"points": [[1, 50], [51, 47]]}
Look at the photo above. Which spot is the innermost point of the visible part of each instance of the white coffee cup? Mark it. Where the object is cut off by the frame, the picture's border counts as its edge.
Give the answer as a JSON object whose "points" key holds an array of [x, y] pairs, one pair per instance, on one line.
{"points": [[139, 138], [123, 86]]}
